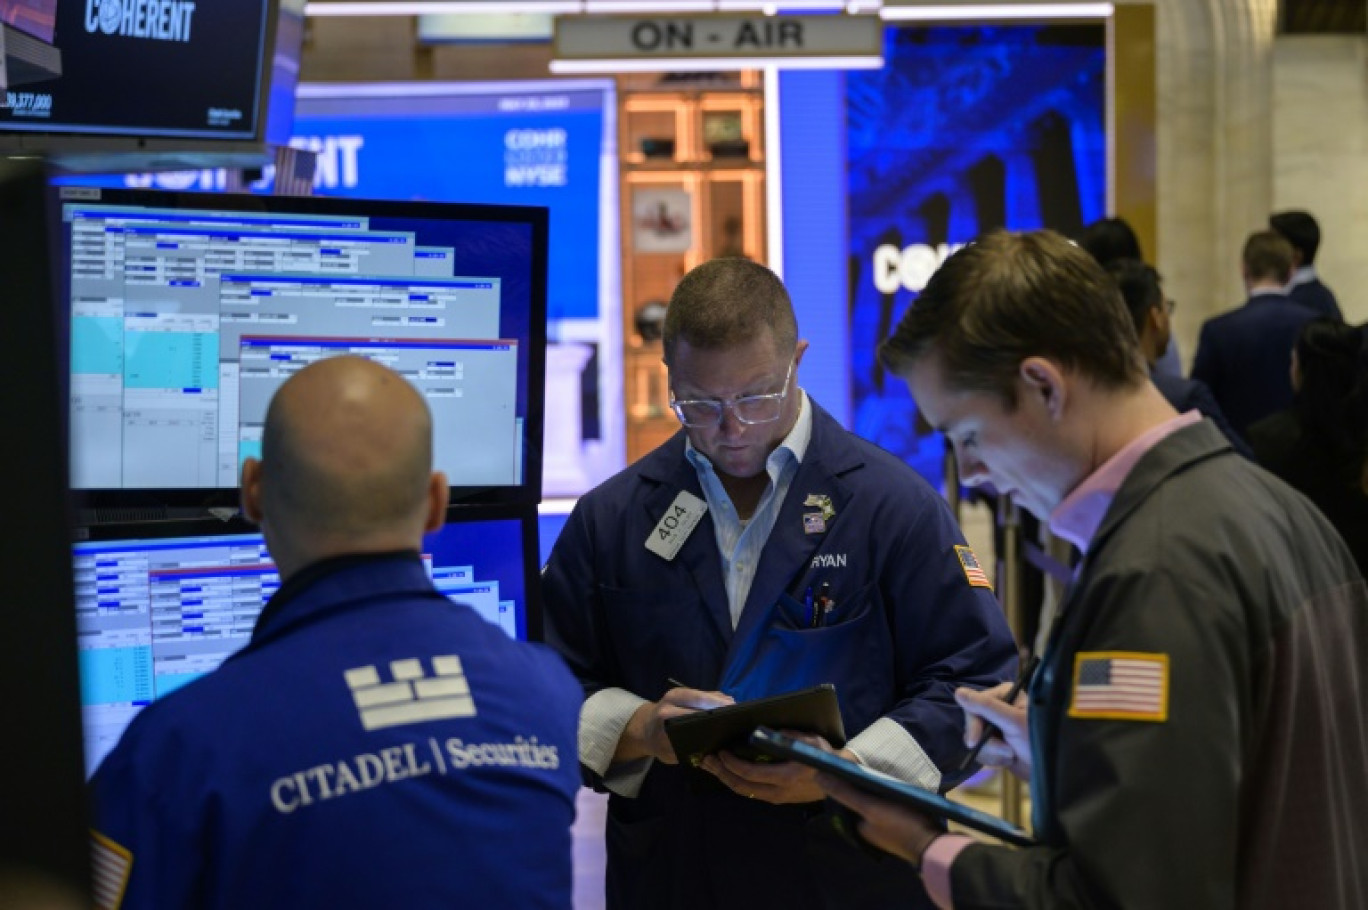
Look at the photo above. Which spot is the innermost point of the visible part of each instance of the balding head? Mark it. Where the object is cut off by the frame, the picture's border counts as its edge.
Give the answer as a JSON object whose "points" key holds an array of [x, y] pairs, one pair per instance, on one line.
{"points": [[346, 465]]}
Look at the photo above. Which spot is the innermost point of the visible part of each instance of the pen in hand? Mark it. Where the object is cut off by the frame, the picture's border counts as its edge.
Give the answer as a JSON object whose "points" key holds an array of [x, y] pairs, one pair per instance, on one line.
{"points": [[1023, 678], [674, 683]]}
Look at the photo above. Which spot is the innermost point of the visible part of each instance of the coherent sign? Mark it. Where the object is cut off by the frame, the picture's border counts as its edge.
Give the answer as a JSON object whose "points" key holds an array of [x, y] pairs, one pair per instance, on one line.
{"points": [[174, 68], [779, 37], [157, 20]]}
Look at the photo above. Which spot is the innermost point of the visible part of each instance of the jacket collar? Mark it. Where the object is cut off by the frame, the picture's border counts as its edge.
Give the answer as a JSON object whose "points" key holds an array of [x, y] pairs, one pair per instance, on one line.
{"points": [[338, 583], [1173, 454]]}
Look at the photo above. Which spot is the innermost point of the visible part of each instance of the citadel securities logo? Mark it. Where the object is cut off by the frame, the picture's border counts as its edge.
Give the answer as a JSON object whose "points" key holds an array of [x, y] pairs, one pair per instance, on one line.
{"points": [[411, 697], [154, 20]]}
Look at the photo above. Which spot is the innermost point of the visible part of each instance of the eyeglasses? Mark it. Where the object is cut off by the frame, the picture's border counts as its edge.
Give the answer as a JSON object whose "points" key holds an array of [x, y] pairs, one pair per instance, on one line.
{"points": [[749, 409]]}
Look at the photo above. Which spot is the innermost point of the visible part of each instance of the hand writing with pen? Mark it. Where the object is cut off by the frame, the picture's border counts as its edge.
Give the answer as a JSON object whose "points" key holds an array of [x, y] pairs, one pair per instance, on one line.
{"points": [[1009, 745]]}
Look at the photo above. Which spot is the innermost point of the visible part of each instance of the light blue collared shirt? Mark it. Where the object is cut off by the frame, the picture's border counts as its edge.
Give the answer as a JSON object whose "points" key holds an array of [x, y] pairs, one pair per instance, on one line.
{"points": [[742, 542]]}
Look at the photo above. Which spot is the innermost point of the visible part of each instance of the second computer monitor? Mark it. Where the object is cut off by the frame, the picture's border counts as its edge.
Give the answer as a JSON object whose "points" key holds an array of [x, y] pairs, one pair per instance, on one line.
{"points": [[160, 605], [189, 310]]}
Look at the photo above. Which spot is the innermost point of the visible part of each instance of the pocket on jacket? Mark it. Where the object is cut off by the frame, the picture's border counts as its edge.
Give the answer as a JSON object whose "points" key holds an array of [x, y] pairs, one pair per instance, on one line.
{"points": [[852, 651]]}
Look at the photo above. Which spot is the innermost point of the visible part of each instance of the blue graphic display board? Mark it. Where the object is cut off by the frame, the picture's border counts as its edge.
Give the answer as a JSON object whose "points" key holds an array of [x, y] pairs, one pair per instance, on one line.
{"points": [[965, 129], [526, 143], [475, 144]]}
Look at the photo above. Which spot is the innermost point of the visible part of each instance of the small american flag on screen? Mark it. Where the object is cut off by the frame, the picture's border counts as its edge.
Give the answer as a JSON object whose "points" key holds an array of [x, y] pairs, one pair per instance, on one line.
{"points": [[972, 570], [1120, 685], [294, 171]]}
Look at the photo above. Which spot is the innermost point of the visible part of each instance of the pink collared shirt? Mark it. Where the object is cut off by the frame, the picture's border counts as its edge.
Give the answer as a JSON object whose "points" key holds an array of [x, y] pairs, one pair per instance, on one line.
{"points": [[1076, 519]]}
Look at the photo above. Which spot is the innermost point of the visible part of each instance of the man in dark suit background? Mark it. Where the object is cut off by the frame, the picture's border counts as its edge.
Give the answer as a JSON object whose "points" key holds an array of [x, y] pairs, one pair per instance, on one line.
{"points": [[1111, 240], [1244, 356], [1150, 310], [1305, 287]]}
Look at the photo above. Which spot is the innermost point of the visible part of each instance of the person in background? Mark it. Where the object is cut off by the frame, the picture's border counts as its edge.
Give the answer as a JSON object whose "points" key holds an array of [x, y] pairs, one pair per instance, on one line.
{"points": [[1151, 311], [375, 744], [1319, 444], [1244, 355], [1301, 230], [762, 549], [1194, 734], [1111, 239]]}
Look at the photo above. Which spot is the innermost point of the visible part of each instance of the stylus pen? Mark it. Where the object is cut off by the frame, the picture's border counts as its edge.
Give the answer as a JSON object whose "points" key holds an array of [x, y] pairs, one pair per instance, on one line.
{"points": [[1023, 680], [674, 683]]}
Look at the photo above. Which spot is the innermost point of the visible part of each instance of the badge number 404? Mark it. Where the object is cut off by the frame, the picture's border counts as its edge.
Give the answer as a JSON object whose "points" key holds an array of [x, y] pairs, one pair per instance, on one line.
{"points": [[675, 526]]}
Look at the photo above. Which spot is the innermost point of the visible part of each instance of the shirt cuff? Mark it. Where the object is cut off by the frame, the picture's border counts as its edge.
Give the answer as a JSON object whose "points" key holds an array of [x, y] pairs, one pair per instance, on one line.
{"points": [[602, 719], [935, 867], [887, 746]]}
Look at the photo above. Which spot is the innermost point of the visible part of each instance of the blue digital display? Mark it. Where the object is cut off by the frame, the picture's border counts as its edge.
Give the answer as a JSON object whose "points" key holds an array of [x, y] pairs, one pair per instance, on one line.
{"points": [[154, 614], [963, 130], [479, 145]]}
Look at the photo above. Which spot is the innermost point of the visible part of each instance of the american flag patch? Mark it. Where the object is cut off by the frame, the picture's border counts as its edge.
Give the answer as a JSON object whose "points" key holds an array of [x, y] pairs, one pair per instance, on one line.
{"points": [[1120, 685], [110, 866], [972, 570]]}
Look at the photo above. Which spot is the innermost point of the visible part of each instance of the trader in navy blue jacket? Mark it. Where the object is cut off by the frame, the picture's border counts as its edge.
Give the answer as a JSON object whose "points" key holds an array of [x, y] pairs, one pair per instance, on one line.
{"points": [[1305, 287], [1245, 356], [374, 745], [761, 550]]}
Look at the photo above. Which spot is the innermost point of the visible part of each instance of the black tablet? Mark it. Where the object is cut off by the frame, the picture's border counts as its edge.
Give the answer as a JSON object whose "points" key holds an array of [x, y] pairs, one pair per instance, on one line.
{"points": [[815, 710], [778, 745]]}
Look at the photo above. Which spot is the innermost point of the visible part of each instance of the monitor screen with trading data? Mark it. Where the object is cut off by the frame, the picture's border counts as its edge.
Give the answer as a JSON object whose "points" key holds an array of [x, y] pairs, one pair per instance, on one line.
{"points": [[189, 310], [154, 612]]}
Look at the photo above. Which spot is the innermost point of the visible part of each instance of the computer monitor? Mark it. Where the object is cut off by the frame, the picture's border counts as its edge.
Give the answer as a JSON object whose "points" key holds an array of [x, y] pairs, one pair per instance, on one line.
{"points": [[159, 605], [189, 310]]}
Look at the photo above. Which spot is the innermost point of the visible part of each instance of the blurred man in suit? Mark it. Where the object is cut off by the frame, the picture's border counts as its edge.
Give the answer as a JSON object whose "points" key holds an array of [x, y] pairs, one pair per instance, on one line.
{"points": [[1151, 311], [1302, 231], [1111, 240], [1245, 356]]}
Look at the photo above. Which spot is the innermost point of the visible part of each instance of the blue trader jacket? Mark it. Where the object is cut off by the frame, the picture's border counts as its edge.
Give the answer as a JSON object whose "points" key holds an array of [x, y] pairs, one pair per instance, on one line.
{"points": [[908, 627], [375, 745]]}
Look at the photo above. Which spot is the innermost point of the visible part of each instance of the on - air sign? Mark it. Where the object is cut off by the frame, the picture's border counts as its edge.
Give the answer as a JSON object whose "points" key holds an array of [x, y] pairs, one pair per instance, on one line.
{"points": [[857, 39]]}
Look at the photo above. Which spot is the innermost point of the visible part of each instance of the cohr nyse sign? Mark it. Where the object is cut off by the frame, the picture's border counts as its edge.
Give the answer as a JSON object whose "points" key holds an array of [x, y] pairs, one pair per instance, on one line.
{"points": [[585, 38]]}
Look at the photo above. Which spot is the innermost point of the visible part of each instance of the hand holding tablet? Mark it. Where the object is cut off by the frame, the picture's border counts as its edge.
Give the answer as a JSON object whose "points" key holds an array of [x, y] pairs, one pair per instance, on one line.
{"points": [[887, 788]]}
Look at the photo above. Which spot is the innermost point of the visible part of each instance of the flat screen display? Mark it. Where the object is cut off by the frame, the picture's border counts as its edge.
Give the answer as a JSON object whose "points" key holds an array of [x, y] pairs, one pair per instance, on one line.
{"points": [[189, 310], [154, 612], [151, 68]]}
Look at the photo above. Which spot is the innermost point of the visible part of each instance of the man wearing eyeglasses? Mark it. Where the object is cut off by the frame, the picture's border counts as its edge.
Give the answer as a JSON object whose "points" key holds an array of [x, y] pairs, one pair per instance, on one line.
{"points": [[1151, 311], [761, 550]]}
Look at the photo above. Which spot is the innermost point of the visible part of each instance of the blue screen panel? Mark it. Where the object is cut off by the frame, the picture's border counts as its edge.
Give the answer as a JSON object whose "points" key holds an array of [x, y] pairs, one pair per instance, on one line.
{"points": [[965, 128], [156, 614]]}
